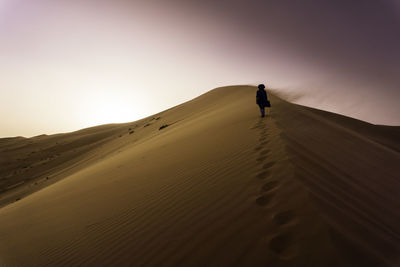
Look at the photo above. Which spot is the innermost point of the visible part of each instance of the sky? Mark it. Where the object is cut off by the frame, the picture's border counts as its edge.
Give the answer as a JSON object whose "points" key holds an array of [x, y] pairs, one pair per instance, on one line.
{"points": [[71, 64]]}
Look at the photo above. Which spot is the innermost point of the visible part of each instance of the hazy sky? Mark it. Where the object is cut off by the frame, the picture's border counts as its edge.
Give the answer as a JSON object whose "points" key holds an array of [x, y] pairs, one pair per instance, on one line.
{"points": [[70, 64]]}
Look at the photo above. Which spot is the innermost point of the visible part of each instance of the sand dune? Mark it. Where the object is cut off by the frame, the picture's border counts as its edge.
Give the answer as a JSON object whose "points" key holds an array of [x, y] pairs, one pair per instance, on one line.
{"points": [[206, 183]]}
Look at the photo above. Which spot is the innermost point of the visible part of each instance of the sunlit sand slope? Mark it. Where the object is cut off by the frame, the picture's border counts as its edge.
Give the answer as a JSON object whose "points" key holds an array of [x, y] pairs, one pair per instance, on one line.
{"points": [[209, 183]]}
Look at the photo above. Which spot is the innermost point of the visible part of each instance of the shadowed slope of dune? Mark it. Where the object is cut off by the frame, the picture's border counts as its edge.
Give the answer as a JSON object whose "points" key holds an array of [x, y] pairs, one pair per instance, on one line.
{"points": [[352, 170], [219, 186], [28, 164]]}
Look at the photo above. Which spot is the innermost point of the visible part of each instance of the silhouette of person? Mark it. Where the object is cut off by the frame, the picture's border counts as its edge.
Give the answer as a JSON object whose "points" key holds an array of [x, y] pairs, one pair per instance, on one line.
{"points": [[262, 99]]}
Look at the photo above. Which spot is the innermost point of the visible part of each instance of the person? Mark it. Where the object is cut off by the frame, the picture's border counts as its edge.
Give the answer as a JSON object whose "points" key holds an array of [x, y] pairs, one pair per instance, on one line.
{"points": [[262, 99]]}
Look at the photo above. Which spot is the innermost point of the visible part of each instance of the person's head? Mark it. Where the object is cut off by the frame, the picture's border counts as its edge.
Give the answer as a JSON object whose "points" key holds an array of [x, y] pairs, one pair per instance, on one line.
{"points": [[261, 86]]}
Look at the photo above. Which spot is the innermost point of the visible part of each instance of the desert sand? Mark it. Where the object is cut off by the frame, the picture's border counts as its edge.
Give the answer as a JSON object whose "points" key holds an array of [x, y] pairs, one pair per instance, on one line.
{"points": [[206, 183]]}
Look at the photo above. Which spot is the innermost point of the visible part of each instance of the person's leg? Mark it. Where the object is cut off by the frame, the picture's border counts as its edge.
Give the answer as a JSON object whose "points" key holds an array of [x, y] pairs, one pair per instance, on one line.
{"points": [[262, 111]]}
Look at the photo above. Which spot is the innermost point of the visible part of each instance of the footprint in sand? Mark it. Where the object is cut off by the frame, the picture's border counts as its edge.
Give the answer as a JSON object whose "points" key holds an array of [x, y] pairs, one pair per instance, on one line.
{"points": [[264, 200], [258, 148], [263, 143], [258, 126], [279, 243], [263, 175], [268, 165], [262, 158], [264, 152], [269, 186], [262, 138], [283, 217], [163, 126]]}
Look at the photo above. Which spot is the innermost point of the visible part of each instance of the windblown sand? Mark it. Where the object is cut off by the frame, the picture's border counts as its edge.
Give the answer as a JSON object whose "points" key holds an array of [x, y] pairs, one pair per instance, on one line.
{"points": [[206, 183]]}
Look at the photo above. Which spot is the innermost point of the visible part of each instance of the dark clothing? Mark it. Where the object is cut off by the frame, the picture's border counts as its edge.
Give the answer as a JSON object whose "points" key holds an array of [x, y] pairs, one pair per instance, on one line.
{"points": [[261, 98], [262, 110], [262, 101]]}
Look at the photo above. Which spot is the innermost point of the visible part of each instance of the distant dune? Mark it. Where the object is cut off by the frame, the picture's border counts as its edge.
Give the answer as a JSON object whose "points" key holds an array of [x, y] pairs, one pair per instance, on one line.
{"points": [[206, 183]]}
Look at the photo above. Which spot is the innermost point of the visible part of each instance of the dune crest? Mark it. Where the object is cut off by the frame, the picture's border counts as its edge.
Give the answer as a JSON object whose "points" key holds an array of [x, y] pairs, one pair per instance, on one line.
{"points": [[206, 183]]}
